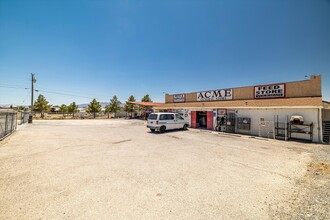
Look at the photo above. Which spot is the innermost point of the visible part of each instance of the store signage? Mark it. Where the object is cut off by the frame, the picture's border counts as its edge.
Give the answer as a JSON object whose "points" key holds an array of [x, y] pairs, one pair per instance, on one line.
{"points": [[222, 111], [178, 98], [232, 111], [215, 95], [262, 122], [269, 91]]}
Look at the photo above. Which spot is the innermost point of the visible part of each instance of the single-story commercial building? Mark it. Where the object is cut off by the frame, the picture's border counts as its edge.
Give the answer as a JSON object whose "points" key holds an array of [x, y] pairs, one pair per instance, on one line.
{"points": [[289, 110]]}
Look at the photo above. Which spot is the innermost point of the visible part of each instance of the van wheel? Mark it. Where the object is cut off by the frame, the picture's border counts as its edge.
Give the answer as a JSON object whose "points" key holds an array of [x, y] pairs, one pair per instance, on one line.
{"points": [[162, 129], [152, 130], [185, 127]]}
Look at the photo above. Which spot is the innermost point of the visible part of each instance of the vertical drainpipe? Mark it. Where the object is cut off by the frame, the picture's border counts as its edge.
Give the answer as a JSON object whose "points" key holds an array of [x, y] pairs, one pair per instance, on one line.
{"points": [[319, 127]]}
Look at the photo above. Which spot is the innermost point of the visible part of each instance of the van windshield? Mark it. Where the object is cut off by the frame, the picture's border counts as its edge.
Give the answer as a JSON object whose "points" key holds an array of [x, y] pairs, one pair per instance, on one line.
{"points": [[152, 117]]}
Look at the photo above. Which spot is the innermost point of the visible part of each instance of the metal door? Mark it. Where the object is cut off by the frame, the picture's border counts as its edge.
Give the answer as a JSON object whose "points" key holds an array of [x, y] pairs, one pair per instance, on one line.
{"points": [[209, 120], [231, 122], [193, 119]]}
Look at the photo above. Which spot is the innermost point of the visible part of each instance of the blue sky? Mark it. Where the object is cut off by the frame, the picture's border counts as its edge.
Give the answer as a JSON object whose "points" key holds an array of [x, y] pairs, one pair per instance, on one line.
{"points": [[87, 48]]}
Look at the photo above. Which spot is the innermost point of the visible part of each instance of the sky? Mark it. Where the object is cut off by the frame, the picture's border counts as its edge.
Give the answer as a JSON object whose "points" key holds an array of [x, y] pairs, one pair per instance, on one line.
{"points": [[85, 49]]}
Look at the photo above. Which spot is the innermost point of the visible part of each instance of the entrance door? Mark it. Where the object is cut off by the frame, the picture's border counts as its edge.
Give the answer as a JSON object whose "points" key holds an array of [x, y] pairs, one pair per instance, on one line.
{"points": [[231, 122], [209, 120], [201, 119], [193, 119]]}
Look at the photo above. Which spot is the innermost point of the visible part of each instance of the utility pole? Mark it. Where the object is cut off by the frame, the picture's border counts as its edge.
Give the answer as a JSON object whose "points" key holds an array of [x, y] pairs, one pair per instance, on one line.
{"points": [[33, 80]]}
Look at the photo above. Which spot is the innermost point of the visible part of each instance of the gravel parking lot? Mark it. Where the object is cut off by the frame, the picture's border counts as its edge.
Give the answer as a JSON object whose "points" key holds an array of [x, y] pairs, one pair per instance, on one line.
{"points": [[118, 169]]}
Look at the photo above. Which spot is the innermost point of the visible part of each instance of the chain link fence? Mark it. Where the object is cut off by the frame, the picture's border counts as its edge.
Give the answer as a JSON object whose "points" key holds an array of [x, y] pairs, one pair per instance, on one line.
{"points": [[8, 123], [267, 129]]}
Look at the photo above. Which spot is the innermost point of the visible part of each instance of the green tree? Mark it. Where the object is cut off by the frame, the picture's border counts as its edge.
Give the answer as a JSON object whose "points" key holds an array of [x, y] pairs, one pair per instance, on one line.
{"points": [[64, 109], [146, 98], [21, 108], [107, 110], [138, 108], [94, 107], [129, 107], [114, 106], [144, 109], [41, 105], [73, 108], [126, 108]]}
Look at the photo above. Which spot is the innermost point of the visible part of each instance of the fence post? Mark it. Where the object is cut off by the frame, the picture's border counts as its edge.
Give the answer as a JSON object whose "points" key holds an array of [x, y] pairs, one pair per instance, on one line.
{"points": [[15, 116], [12, 123], [6, 124]]}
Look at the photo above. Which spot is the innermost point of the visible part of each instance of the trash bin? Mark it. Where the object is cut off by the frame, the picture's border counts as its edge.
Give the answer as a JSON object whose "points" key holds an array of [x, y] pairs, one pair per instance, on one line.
{"points": [[30, 118]]}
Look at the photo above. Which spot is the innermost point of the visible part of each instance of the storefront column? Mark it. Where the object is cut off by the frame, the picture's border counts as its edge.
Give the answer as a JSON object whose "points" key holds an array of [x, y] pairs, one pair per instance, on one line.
{"points": [[209, 120], [193, 119]]}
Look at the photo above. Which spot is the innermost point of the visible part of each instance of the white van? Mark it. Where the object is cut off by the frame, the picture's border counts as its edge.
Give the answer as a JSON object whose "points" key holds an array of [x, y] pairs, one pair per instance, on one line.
{"points": [[166, 121]]}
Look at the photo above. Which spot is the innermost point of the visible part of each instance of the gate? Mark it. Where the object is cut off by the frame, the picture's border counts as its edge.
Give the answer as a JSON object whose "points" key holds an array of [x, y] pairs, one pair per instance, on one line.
{"points": [[267, 129], [8, 123], [231, 122], [243, 125], [326, 131]]}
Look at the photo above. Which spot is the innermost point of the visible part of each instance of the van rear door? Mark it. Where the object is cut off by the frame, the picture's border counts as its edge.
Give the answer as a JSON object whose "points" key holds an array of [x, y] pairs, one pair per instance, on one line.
{"points": [[152, 120]]}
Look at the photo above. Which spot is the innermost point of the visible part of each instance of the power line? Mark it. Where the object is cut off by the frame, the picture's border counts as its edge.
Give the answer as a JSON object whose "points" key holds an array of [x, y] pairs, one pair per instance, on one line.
{"points": [[12, 87], [2, 85], [75, 94], [67, 94], [27, 95]]}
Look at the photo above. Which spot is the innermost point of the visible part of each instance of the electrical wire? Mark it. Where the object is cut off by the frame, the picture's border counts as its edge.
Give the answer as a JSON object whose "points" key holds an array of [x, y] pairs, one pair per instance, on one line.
{"points": [[67, 94], [12, 86], [27, 95], [73, 93], [50, 92]]}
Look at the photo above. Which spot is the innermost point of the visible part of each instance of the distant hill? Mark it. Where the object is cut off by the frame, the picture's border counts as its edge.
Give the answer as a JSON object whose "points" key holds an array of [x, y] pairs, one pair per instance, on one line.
{"points": [[102, 103]]}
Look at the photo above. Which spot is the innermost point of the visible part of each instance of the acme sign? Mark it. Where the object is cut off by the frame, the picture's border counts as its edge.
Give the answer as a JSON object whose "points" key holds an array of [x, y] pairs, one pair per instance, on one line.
{"points": [[214, 95], [178, 98], [269, 91]]}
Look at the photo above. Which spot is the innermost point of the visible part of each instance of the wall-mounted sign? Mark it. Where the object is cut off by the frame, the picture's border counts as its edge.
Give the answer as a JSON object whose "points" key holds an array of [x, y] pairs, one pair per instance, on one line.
{"points": [[232, 111], [179, 98], [222, 111], [262, 122], [269, 91], [214, 95]]}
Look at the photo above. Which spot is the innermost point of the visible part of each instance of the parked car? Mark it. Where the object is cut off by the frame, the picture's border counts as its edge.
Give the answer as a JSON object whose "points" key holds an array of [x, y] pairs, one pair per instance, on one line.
{"points": [[166, 121]]}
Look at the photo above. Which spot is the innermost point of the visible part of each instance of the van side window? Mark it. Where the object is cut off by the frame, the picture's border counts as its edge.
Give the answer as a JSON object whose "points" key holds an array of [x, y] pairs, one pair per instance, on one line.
{"points": [[166, 117], [178, 117], [162, 117], [152, 117], [169, 117]]}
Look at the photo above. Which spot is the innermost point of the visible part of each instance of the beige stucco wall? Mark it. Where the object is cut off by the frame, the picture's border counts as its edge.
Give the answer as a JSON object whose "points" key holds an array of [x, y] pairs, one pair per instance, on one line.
{"points": [[306, 88], [243, 93], [310, 88]]}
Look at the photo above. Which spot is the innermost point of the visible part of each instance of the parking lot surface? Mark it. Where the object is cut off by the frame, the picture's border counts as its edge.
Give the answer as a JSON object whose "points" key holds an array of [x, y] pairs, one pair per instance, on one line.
{"points": [[118, 169]]}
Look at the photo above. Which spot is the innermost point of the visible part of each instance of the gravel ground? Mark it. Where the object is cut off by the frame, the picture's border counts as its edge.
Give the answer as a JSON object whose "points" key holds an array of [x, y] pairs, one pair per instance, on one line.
{"points": [[117, 169], [311, 198]]}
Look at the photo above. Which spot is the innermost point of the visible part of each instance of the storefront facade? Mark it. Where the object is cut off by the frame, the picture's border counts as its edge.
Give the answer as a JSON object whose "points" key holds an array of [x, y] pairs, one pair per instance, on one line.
{"points": [[291, 110]]}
